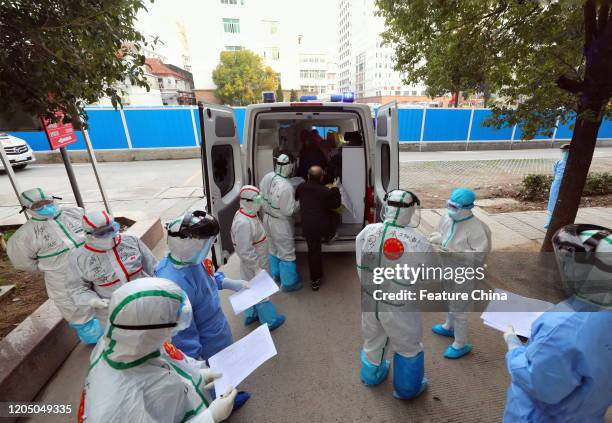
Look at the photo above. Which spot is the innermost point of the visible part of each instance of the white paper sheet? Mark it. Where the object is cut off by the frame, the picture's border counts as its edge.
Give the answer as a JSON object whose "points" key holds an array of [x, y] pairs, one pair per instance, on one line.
{"points": [[241, 358], [518, 311], [262, 286]]}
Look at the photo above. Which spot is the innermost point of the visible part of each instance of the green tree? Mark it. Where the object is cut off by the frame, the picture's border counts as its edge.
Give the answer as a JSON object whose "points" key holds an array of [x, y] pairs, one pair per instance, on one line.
{"points": [[279, 92], [241, 77], [293, 95], [548, 62], [59, 55]]}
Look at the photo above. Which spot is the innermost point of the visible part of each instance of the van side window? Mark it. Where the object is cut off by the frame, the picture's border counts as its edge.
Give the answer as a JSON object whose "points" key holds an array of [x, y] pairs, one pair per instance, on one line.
{"points": [[381, 126], [223, 167], [224, 127], [385, 164]]}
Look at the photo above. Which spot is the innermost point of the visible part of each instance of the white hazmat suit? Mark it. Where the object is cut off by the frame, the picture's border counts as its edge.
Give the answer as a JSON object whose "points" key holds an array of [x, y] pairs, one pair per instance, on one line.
{"points": [[44, 243], [251, 246], [279, 207], [136, 375], [105, 263], [459, 231], [388, 244]]}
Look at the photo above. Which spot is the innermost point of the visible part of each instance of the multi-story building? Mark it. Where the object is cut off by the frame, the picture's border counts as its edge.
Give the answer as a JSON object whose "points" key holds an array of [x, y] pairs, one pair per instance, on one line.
{"points": [[365, 63], [317, 73], [176, 84]]}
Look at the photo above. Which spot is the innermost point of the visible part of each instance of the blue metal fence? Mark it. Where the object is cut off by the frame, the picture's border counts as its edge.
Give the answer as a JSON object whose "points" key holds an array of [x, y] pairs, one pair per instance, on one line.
{"points": [[178, 126]]}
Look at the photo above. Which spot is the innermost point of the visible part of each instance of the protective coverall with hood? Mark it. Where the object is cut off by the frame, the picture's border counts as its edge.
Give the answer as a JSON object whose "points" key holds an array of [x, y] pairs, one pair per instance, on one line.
{"points": [[190, 238], [43, 244], [136, 375], [279, 207], [107, 261], [555, 186], [459, 231], [564, 373], [251, 246], [393, 242]]}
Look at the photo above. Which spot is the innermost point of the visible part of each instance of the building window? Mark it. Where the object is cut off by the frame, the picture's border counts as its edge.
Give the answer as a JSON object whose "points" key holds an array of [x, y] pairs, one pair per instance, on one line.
{"points": [[231, 25], [272, 26], [232, 2], [414, 93], [271, 53], [233, 48]]}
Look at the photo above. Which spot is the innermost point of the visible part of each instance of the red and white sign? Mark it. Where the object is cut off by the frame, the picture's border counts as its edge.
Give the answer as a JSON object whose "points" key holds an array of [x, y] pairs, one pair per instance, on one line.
{"points": [[59, 134]]}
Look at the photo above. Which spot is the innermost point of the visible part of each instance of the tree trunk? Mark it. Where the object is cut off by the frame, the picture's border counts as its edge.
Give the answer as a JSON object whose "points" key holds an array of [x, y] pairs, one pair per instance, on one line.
{"points": [[457, 99], [581, 152]]}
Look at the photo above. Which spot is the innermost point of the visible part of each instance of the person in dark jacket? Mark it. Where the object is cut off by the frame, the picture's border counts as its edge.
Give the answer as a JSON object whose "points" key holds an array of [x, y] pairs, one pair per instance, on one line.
{"points": [[310, 155], [319, 220]]}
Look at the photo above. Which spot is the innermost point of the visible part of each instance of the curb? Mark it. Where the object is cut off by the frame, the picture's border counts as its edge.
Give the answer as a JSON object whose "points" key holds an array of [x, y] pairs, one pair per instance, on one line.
{"points": [[121, 155], [487, 145], [32, 352]]}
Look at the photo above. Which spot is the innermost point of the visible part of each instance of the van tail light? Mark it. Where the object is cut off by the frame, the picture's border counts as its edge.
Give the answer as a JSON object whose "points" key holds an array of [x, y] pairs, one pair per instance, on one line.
{"points": [[370, 206]]}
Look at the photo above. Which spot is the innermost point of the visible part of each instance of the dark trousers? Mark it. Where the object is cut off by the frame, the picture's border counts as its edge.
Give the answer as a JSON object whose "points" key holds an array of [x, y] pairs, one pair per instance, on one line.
{"points": [[315, 260]]}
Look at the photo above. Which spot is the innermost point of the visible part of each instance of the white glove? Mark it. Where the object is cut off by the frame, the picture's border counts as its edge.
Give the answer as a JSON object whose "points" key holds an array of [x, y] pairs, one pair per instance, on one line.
{"points": [[208, 378], [98, 303], [511, 339], [234, 284], [221, 408], [435, 238]]}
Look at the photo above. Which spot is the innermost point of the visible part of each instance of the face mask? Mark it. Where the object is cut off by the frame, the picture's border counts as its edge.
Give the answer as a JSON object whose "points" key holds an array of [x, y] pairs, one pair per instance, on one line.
{"points": [[48, 211], [458, 214]]}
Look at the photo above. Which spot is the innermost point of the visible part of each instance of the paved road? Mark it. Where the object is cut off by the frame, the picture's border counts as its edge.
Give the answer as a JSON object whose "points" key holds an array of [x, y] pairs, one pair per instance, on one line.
{"points": [[163, 188]]}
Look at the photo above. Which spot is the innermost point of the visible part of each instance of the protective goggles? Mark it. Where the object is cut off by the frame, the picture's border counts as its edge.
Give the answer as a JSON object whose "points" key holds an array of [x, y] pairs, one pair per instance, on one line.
{"points": [[258, 199], [37, 205], [400, 204], [106, 231], [456, 206]]}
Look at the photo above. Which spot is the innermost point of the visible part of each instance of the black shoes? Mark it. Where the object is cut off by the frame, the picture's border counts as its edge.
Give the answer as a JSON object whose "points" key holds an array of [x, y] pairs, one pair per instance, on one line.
{"points": [[315, 284]]}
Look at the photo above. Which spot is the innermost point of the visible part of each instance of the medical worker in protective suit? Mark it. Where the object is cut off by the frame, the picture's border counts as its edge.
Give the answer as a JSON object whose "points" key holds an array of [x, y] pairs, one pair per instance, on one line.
{"points": [[393, 242], [44, 243], [190, 239], [558, 171], [279, 207], [251, 246], [462, 233], [564, 373], [106, 261], [137, 375]]}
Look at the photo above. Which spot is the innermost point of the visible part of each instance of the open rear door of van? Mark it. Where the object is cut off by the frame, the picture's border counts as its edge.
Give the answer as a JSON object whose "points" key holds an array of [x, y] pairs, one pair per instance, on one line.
{"points": [[386, 161], [222, 172]]}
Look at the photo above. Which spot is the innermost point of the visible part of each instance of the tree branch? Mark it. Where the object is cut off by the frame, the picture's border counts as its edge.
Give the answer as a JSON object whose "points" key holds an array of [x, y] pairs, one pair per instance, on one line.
{"points": [[571, 85]]}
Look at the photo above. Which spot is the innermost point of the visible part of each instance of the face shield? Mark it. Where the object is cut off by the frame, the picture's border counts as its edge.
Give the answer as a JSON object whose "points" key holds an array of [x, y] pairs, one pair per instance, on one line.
{"points": [[401, 208], [191, 237], [285, 165], [584, 259]]}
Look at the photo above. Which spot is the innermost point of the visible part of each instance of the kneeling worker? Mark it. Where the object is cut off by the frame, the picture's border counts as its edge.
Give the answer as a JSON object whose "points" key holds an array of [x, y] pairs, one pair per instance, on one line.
{"points": [[319, 220]]}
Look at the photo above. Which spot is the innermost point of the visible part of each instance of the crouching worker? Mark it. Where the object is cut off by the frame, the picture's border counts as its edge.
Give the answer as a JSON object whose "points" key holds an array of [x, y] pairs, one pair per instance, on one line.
{"points": [[107, 261], [136, 375], [44, 243], [251, 246]]}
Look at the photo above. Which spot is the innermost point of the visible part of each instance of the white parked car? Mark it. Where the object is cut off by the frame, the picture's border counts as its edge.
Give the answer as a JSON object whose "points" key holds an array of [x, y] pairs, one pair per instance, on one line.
{"points": [[19, 152]]}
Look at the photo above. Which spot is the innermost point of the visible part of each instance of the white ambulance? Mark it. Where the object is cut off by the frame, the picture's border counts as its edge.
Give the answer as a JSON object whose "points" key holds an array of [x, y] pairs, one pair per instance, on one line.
{"points": [[370, 162]]}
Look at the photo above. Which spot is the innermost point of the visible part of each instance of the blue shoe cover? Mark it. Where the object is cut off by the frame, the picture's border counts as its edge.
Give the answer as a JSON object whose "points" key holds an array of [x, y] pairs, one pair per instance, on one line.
{"points": [[267, 314], [274, 267], [372, 374], [240, 400], [89, 332], [453, 353], [250, 316], [439, 329], [408, 376], [290, 279], [424, 384]]}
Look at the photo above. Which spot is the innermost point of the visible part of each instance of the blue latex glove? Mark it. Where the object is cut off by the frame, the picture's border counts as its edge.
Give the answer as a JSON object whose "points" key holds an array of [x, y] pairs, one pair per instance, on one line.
{"points": [[511, 339], [234, 285]]}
